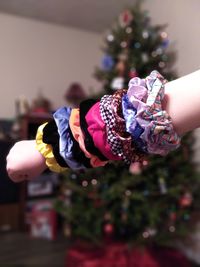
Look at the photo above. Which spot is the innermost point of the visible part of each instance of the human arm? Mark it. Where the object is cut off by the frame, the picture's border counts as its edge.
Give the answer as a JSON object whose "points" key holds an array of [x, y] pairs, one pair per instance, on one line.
{"points": [[181, 101]]}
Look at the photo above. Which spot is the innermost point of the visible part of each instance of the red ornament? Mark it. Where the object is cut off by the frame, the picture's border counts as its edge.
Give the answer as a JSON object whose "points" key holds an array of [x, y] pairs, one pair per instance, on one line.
{"points": [[108, 228], [125, 18], [98, 203], [173, 216], [186, 200], [133, 73], [135, 168]]}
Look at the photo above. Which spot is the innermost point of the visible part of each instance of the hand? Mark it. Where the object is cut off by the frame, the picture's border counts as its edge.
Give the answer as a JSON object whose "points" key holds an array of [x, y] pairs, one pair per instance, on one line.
{"points": [[24, 161]]}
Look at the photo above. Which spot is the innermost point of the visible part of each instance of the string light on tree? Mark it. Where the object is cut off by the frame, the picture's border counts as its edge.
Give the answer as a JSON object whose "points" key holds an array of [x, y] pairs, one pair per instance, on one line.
{"points": [[172, 229], [123, 44], [145, 34], [133, 205], [129, 30], [85, 183], [110, 38], [145, 57], [94, 182], [117, 83]]}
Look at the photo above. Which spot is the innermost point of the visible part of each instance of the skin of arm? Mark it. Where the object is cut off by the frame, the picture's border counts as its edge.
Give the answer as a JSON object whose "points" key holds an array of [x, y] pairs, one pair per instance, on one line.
{"points": [[24, 161], [181, 101]]}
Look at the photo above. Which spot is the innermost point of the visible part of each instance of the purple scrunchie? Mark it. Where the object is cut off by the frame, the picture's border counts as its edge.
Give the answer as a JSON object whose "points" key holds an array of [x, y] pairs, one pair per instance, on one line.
{"points": [[145, 96]]}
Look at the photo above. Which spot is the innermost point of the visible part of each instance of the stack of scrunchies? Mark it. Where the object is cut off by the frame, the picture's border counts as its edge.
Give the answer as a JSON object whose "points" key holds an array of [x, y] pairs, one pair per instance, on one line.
{"points": [[128, 125]]}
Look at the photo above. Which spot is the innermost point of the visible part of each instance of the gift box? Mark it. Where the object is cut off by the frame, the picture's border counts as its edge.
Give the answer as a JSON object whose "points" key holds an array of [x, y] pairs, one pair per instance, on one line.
{"points": [[121, 255], [43, 221]]}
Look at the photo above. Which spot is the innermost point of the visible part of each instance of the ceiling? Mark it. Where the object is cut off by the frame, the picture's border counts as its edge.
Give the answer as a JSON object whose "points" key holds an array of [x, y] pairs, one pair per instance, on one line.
{"points": [[92, 15]]}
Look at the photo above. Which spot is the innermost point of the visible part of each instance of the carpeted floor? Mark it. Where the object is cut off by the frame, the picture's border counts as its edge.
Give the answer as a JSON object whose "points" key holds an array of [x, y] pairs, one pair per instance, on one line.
{"points": [[19, 250]]}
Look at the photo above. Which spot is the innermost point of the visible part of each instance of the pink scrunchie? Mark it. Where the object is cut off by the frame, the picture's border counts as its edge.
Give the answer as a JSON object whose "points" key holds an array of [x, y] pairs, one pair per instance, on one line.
{"points": [[74, 123], [97, 129]]}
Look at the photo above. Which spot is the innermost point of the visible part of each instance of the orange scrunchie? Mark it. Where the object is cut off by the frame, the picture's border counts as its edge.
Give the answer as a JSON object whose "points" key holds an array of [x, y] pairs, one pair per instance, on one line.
{"points": [[74, 123]]}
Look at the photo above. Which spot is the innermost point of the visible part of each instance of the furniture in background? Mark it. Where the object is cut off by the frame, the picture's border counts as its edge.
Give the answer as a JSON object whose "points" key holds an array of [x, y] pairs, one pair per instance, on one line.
{"points": [[44, 187]]}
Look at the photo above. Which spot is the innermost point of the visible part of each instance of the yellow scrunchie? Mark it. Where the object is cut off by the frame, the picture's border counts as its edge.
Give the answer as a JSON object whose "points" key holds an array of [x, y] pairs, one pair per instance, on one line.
{"points": [[46, 151]]}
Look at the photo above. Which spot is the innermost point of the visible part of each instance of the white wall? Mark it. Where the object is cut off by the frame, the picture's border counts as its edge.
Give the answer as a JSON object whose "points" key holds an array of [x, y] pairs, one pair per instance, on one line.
{"points": [[183, 19], [36, 55]]}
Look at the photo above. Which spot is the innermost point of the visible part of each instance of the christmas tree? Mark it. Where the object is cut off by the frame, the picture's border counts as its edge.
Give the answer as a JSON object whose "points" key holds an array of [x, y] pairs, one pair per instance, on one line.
{"points": [[150, 201]]}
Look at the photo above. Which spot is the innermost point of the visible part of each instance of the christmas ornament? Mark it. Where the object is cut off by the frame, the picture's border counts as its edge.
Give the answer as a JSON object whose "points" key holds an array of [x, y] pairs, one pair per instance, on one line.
{"points": [[92, 195], [124, 216], [145, 57], [73, 175], [67, 192], [151, 231], [154, 54], [164, 57], [125, 18], [162, 185], [161, 64], [137, 45], [165, 43], [108, 228], [120, 67], [186, 216], [67, 202], [128, 193], [145, 34], [117, 83], [159, 51], [107, 62], [172, 228], [94, 182], [67, 230], [135, 168], [98, 203], [123, 56], [145, 163], [146, 193], [107, 216], [132, 73], [145, 235], [173, 216], [125, 204], [186, 200]]}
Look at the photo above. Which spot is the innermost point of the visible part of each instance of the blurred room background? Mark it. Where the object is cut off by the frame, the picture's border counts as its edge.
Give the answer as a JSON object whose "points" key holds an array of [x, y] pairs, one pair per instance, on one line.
{"points": [[49, 51]]}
